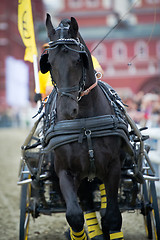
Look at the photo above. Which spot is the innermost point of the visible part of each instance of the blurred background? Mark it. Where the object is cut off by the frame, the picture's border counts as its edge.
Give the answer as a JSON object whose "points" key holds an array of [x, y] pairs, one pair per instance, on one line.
{"points": [[129, 55], [130, 59]]}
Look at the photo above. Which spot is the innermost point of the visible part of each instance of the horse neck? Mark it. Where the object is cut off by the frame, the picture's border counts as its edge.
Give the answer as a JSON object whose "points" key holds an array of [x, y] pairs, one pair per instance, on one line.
{"points": [[95, 103], [90, 71]]}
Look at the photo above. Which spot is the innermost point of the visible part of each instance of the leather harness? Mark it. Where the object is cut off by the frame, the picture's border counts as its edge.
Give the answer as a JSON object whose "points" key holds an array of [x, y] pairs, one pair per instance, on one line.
{"points": [[77, 130]]}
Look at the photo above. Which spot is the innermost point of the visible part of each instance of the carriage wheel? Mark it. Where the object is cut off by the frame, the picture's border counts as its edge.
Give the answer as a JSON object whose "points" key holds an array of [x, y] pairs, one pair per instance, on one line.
{"points": [[24, 211], [147, 215], [152, 218], [155, 211]]}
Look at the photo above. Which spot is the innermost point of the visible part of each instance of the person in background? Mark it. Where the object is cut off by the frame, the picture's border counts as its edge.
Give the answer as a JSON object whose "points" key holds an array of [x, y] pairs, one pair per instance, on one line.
{"points": [[45, 81], [97, 67]]}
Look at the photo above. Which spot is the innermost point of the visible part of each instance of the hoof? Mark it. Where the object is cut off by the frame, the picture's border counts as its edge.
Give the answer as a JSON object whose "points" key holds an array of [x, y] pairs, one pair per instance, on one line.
{"points": [[100, 237], [67, 234]]}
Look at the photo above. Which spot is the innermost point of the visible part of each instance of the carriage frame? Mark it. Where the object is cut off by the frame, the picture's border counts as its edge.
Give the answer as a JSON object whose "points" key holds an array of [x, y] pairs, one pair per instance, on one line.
{"points": [[40, 192]]}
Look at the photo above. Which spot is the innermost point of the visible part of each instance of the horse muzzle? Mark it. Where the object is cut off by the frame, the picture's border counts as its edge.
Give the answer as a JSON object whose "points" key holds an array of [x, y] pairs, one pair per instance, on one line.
{"points": [[68, 106]]}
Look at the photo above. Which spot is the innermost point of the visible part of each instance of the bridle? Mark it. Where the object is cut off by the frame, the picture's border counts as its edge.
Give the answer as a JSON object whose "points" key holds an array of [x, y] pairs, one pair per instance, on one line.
{"points": [[67, 43]]}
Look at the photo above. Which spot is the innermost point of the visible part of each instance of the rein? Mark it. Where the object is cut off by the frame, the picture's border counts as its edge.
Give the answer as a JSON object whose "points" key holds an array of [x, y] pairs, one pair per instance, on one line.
{"points": [[85, 92]]}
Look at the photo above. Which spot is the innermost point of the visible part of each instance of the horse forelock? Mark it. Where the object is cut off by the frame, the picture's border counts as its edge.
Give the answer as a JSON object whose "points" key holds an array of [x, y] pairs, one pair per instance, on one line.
{"points": [[65, 22]]}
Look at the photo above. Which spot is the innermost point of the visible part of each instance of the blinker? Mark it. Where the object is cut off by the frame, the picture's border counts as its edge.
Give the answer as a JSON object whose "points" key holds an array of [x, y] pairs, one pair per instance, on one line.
{"points": [[44, 63]]}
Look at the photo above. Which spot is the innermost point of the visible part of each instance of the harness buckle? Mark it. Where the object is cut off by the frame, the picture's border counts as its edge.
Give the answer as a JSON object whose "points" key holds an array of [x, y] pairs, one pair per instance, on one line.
{"points": [[87, 132], [91, 154]]}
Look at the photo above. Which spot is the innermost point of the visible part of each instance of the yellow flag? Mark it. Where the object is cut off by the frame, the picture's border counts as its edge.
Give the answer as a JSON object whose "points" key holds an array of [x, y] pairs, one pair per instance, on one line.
{"points": [[26, 28]]}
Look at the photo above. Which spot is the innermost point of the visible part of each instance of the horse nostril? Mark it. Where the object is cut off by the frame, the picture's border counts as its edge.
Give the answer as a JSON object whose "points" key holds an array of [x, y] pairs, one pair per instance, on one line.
{"points": [[74, 113]]}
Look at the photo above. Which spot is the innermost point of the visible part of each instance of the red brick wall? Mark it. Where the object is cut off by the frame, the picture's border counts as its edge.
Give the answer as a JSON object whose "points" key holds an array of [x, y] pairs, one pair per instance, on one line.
{"points": [[10, 41]]}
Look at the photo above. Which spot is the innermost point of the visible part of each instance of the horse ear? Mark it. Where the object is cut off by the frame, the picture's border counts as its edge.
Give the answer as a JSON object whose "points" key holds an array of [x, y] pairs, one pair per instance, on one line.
{"points": [[50, 29], [73, 29], [44, 64]]}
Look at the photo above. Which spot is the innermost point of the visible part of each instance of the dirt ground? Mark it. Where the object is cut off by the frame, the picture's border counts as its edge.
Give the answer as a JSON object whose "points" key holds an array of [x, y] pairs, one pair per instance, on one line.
{"points": [[45, 227]]}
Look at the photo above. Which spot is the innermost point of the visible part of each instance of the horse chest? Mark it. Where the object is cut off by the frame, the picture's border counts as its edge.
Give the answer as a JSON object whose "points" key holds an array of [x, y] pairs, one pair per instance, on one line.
{"points": [[82, 158]]}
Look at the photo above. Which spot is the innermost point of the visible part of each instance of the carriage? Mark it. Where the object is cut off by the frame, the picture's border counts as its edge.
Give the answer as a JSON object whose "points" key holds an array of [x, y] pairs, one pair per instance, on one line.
{"points": [[48, 188]]}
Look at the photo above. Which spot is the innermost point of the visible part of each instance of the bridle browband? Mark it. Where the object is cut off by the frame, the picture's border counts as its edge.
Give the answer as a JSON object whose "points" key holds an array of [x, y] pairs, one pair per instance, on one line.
{"points": [[67, 43]]}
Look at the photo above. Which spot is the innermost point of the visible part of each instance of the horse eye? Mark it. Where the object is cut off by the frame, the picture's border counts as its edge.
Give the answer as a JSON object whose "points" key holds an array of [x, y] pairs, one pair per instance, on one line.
{"points": [[78, 61], [65, 50]]}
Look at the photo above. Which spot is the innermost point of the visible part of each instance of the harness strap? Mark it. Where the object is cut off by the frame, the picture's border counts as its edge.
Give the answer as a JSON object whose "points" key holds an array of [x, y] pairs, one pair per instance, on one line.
{"points": [[69, 95], [92, 169], [85, 92]]}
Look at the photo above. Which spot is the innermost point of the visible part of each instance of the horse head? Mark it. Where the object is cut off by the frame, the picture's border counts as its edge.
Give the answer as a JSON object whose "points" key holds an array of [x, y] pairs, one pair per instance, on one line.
{"points": [[68, 61]]}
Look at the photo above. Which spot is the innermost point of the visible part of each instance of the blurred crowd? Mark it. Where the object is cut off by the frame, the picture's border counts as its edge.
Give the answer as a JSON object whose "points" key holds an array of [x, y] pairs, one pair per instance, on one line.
{"points": [[144, 109]]}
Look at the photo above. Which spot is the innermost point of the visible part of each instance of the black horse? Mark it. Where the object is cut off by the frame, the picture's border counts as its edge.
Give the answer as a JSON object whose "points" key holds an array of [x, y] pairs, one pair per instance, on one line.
{"points": [[87, 131]]}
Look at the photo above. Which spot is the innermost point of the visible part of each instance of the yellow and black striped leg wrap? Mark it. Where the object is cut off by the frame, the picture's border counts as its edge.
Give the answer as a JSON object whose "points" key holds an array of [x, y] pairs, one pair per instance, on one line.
{"points": [[103, 199], [78, 235], [93, 225], [117, 236]]}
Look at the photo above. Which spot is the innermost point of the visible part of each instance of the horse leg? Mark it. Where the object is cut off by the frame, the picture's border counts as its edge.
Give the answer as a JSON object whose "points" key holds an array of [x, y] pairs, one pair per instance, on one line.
{"points": [[112, 220], [94, 231], [85, 194], [74, 213], [103, 199]]}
